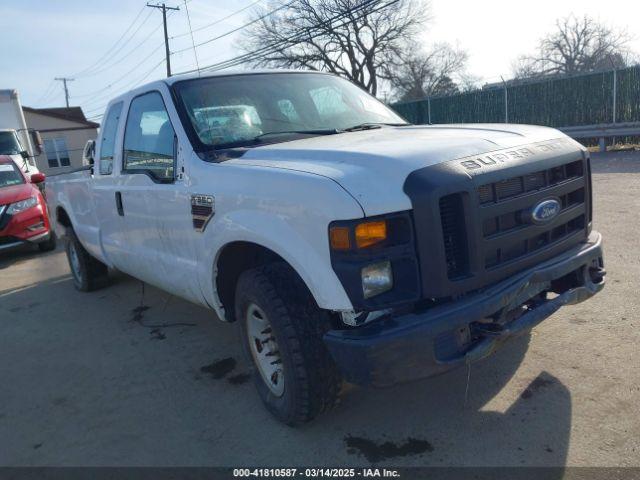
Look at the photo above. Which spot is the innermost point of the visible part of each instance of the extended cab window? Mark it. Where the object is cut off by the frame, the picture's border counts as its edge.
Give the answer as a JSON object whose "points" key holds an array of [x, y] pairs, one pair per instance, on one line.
{"points": [[107, 144], [149, 138]]}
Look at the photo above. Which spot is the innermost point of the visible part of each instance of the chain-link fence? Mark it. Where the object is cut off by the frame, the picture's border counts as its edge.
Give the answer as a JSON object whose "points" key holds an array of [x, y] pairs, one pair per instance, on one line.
{"points": [[588, 99]]}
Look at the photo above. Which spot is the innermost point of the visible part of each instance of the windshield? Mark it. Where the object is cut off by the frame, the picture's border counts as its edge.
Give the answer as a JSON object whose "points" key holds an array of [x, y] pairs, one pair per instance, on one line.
{"points": [[9, 144], [236, 110], [10, 175]]}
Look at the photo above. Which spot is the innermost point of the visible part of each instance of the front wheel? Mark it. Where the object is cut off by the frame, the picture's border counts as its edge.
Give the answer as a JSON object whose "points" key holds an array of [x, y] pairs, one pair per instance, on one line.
{"points": [[281, 328], [88, 273]]}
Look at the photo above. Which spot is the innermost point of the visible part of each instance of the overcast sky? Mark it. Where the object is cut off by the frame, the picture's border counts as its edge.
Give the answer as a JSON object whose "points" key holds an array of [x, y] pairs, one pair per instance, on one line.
{"points": [[43, 39]]}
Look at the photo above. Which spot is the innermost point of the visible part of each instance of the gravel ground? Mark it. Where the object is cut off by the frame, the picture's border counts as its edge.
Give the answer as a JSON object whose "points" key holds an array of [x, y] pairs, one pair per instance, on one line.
{"points": [[91, 379]]}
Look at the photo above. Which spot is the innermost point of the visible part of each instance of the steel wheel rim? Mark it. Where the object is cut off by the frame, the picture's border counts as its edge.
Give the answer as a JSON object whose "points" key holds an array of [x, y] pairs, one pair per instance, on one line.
{"points": [[264, 349], [75, 261]]}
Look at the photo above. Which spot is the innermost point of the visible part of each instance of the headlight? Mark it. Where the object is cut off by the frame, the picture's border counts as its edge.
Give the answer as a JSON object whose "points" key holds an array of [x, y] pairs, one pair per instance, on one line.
{"points": [[377, 278], [366, 235], [22, 205]]}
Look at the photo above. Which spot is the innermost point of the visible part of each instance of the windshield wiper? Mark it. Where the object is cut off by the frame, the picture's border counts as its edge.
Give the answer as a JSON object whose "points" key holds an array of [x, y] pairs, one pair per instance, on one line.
{"points": [[328, 131], [325, 131], [371, 126]]}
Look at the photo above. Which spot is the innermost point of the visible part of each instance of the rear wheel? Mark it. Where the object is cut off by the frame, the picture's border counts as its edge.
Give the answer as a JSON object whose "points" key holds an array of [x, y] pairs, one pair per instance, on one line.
{"points": [[88, 273], [281, 328]]}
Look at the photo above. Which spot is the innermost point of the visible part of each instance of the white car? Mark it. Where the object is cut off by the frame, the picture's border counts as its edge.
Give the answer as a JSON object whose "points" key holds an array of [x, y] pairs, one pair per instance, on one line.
{"points": [[345, 243]]}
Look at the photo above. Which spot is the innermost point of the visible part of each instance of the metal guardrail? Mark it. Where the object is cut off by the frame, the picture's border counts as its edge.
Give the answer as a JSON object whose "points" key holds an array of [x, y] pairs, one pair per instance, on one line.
{"points": [[603, 131]]}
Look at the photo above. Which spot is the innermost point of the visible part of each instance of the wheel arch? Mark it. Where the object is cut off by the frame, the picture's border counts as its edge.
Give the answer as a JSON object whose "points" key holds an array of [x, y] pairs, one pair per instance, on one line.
{"points": [[232, 260]]}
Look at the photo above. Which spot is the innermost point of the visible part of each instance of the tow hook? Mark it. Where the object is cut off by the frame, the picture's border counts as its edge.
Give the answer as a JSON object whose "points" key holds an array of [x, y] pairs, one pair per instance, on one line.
{"points": [[487, 329], [597, 274]]}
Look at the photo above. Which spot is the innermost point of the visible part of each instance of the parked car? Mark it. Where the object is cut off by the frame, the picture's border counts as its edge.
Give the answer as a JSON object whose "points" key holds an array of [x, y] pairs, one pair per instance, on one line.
{"points": [[345, 243], [23, 212]]}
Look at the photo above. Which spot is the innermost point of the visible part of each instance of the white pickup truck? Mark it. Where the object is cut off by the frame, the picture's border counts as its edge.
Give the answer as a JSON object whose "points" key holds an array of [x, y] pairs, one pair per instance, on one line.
{"points": [[345, 243]]}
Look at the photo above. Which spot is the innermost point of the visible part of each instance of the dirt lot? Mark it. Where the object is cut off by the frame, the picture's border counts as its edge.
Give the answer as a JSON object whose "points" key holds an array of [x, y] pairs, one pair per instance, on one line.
{"points": [[93, 379]]}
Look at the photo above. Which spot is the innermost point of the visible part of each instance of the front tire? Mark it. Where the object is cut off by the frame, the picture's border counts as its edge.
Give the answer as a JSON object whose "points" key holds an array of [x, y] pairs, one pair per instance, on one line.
{"points": [[87, 272], [281, 329]]}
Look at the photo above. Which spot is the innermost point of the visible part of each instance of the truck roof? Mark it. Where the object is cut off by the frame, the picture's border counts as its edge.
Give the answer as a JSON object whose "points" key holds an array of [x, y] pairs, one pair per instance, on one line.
{"points": [[226, 73], [189, 76]]}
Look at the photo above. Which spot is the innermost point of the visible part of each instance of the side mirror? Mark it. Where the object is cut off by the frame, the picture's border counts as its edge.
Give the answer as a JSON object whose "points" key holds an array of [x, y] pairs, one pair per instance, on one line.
{"points": [[37, 178], [89, 152], [24, 154]]}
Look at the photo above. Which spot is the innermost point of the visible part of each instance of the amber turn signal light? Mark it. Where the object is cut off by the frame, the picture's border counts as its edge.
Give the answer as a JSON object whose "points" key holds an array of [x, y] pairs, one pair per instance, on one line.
{"points": [[340, 238], [370, 233]]}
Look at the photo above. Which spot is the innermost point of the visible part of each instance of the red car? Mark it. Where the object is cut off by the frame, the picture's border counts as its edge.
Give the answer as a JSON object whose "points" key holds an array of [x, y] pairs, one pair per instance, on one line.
{"points": [[23, 211]]}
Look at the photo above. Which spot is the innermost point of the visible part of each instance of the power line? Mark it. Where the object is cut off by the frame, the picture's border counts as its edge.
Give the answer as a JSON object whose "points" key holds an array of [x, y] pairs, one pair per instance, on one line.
{"points": [[103, 68], [97, 95], [128, 86], [204, 27], [241, 27], [121, 59], [103, 57], [128, 54], [195, 52], [50, 89], [294, 39], [108, 64], [116, 61]]}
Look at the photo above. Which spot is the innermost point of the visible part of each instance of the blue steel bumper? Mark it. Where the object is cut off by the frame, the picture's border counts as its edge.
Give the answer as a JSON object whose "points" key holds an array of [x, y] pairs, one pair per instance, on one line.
{"points": [[421, 345]]}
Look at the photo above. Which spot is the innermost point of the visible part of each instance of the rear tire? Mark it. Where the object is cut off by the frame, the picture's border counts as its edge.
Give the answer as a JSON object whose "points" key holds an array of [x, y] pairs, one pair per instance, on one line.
{"points": [[49, 245], [308, 381], [87, 272]]}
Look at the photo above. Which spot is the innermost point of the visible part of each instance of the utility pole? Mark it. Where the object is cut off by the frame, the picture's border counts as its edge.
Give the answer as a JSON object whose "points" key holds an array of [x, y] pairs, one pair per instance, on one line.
{"points": [[164, 9], [66, 90]]}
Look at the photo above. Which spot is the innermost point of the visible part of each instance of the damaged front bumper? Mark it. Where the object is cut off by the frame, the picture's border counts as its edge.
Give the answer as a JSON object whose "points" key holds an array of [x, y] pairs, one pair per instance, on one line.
{"points": [[447, 336]]}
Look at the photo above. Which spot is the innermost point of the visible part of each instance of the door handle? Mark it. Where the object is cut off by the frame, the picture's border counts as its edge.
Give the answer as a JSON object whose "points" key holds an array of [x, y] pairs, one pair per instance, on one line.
{"points": [[119, 204]]}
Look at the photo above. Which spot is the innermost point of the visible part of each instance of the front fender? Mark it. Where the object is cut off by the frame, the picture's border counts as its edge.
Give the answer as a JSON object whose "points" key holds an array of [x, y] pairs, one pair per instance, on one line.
{"points": [[308, 255]]}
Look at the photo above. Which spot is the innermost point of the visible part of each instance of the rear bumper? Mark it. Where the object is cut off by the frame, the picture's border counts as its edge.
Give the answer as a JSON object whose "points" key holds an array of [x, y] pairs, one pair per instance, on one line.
{"points": [[445, 337]]}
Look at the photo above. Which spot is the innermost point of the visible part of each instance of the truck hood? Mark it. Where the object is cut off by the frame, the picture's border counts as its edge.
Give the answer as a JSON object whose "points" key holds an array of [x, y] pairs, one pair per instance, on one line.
{"points": [[372, 165]]}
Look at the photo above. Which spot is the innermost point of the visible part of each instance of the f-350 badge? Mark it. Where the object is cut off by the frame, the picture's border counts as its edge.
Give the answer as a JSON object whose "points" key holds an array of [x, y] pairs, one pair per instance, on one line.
{"points": [[202, 210]]}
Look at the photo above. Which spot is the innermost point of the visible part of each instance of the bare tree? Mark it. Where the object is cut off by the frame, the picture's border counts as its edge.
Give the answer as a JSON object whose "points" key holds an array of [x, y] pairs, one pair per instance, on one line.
{"points": [[437, 71], [578, 45], [351, 38]]}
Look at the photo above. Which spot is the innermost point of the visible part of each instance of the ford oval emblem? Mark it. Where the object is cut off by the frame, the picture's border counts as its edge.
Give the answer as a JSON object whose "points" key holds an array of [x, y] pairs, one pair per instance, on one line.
{"points": [[545, 211]]}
